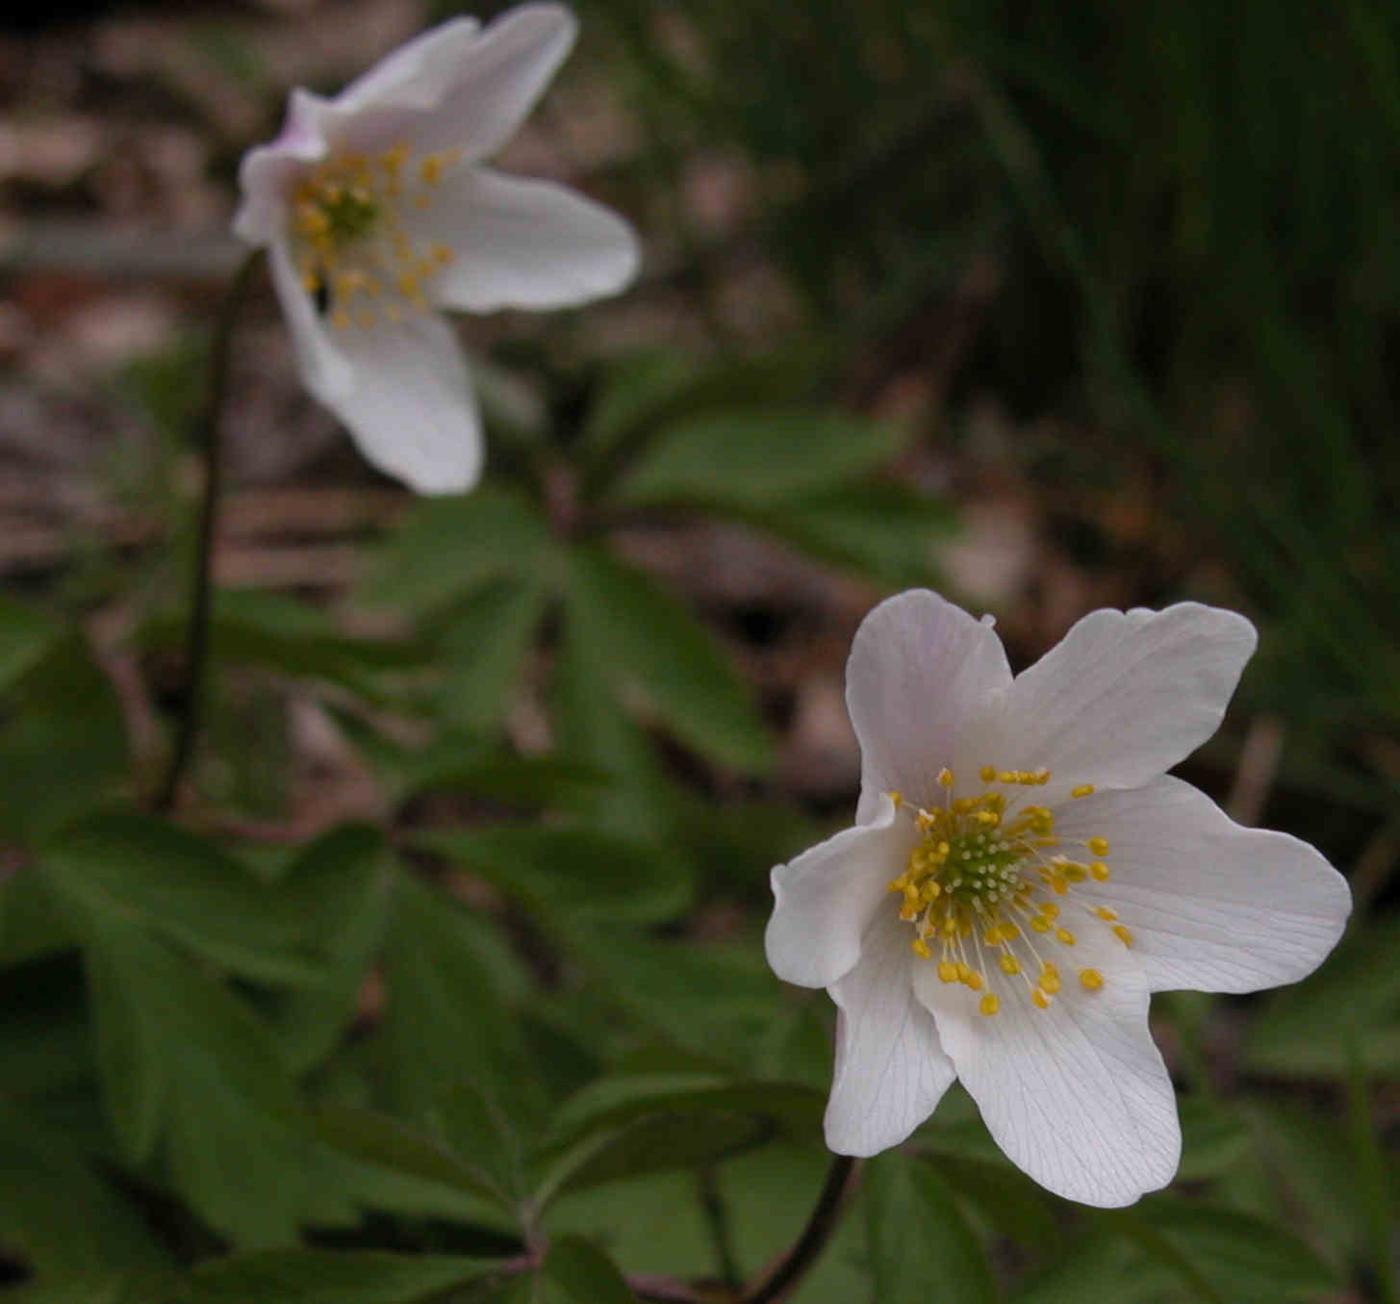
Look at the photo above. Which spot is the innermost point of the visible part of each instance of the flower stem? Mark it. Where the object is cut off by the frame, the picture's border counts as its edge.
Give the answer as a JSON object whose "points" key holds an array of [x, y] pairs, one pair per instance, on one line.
{"points": [[197, 630], [813, 1240]]}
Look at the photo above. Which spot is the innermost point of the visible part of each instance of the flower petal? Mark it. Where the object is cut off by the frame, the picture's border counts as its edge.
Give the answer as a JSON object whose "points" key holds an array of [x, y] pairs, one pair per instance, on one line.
{"points": [[519, 243], [323, 368], [410, 406], [499, 79], [1121, 699], [1213, 906], [918, 667], [419, 73], [890, 1069], [1076, 1095], [267, 173], [824, 899]]}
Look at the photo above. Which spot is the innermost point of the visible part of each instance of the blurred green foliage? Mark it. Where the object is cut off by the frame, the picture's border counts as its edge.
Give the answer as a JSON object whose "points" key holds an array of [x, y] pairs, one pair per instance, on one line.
{"points": [[379, 1067]]}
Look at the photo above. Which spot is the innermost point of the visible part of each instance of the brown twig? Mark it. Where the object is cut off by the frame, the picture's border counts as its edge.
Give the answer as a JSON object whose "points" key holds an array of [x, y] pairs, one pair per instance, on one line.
{"points": [[806, 1250]]}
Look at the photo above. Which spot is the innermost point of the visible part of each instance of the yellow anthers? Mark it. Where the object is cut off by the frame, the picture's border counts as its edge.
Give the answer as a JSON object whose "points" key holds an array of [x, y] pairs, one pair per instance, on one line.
{"points": [[985, 874], [1123, 934], [1083, 790], [896, 797], [349, 239]]}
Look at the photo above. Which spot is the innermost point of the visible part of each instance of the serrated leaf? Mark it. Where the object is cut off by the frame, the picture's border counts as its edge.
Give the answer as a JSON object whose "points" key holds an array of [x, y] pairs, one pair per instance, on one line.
{"points": [[883, 529], [445, 1023], [338, 887], [58, 1215], [1225, 1256], [190, 1074], [918, 1236], [386, 1143], [747, 459], [134, 869], [63, 745], [639, 638], [445, 548], [1303, 1030], [483, 648], [571, 873], [26, 635], [333, 1277]]}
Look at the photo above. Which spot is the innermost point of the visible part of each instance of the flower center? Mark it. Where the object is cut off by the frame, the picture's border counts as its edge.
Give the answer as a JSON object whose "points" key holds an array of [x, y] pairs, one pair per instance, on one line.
{"points": [[992, 890], [352, 248]]}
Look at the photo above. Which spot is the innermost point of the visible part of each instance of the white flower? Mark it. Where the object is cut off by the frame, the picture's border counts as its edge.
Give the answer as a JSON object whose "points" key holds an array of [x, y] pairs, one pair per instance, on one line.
{"points": [[376, 211], [1023, 875]]}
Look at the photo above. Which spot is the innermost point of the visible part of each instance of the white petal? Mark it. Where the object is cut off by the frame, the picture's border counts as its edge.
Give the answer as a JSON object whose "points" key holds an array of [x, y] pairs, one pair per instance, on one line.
{"points": [[918, 667], [824, 899], [890, 1069], [268, 172], [1077, 1094], [323, 368], [1213, 906], [499, 79], [418, 74], [411, 407], [524, 244], [1121, 699]]}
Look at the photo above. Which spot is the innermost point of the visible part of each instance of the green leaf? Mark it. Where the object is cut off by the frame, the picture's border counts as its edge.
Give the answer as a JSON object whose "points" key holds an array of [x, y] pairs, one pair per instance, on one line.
{"points": [[918, 1237], [638, 638], [483, 648], [883, 529], [574, 1272], [330, 1277], [445, 1023], [1226, 1256], [637, 388], [26, 636], [385, 1143], [749, 459], [63, 746], [446, 548], [1214, 1138], [1303, 1031], [338, 887], [32, 923], [58, 1215], [138, 870], [188, 1072], [571, 873], [527, 781]]}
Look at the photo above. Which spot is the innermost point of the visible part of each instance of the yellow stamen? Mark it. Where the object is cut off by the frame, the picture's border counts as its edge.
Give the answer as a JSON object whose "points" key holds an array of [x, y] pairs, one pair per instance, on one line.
{"points": [[989, 1004], [1091, 979], [1083, 790]]}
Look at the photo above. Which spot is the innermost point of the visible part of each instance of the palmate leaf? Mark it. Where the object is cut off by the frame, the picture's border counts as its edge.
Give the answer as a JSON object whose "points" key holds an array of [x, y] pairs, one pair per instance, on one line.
{"points": [[483, 649], [572, 873], [751, 459], [920, 1243], [446, 548], [574, 1272], [59, 1216], [328, 1277], [632, 637], [190, 1077], [135, 870], [445, 1022]]}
